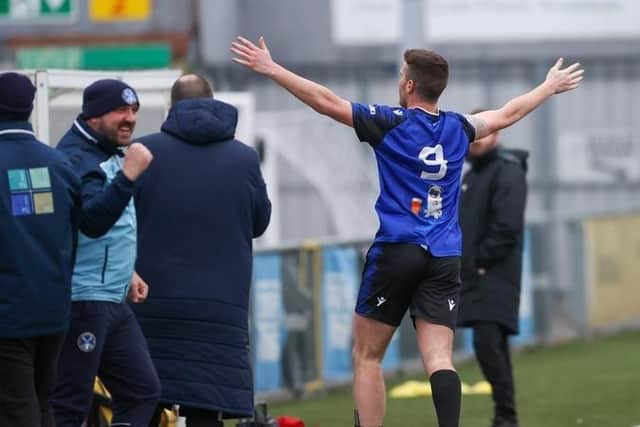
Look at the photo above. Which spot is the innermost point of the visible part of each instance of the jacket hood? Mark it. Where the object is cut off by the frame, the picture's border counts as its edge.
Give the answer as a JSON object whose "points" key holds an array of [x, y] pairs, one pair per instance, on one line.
{"points": [[515, 155], [201, 121]]}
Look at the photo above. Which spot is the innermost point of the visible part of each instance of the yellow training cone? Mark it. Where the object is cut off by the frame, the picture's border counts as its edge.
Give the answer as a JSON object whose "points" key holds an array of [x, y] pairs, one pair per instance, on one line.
{"points": [[481, 387], [421, 388], [411, 389]]}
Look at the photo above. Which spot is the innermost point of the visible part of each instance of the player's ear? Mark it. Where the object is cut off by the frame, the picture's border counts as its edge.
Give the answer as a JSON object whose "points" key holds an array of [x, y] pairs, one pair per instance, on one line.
{"points": [[410, 86]]}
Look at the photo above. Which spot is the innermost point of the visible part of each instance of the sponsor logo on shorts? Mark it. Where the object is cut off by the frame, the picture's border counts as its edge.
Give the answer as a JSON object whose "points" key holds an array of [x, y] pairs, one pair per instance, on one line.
{"points": [[452, 304], [86, 342], [381, 300]]}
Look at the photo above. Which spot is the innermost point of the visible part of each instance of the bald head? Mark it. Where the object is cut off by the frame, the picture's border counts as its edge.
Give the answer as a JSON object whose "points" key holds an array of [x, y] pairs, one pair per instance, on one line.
{"points": [[190, 86]]}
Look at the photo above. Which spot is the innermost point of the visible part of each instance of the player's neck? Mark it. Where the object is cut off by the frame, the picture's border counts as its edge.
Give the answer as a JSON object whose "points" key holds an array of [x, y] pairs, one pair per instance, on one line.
{"points": [[425, 106]]}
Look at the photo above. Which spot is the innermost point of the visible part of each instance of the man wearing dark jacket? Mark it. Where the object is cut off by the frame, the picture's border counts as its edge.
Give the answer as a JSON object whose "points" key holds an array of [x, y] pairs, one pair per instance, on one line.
{"points": [[39, 211], [104, 337], [199, 205], [492, 222]]}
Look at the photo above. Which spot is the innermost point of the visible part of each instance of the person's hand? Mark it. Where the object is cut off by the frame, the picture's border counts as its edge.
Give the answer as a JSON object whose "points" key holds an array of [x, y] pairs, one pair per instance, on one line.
{"points": [[562, 80], [138, 289], [136, 161], [252, 56]]}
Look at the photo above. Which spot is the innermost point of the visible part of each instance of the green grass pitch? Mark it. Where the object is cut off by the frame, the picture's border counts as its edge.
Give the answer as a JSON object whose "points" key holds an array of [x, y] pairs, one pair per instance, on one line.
{"points": [[593, 383]]}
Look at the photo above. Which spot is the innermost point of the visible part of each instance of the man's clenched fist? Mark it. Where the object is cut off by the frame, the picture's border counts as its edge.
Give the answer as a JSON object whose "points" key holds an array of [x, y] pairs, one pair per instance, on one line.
{"points": [[138, 289], [136, 161]]}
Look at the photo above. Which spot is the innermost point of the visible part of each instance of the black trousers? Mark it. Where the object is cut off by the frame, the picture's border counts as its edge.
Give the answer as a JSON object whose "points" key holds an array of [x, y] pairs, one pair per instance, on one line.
{"points": [[28, 370], [491, 345], [104, 339]]}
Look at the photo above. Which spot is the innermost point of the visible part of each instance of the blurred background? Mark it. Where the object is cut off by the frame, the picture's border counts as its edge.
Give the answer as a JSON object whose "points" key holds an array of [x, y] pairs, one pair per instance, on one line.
{"points": [[582, 255]]}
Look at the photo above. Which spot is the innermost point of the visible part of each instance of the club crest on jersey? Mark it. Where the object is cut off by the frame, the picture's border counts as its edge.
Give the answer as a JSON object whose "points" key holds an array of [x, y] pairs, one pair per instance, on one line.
{"points": [[86, 342]]}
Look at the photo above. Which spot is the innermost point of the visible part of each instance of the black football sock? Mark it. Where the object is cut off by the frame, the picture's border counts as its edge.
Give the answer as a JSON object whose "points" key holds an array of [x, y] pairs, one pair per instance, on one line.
{"points": [[445, 388]]}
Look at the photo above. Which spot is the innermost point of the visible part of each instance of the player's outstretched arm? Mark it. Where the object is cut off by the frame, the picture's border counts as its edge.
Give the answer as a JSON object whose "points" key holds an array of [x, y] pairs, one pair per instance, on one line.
{"points": [[318, 97], [558, 80]]}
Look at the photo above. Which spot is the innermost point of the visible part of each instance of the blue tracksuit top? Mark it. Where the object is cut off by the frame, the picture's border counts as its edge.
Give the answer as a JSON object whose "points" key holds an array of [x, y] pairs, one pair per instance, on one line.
{"points": [[39, 210], [420, 157], [104, 265]]}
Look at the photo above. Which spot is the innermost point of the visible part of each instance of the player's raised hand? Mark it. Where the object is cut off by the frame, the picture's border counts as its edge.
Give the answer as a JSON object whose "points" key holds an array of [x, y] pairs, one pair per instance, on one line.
{"points": [[255, 57], [564, 79]]}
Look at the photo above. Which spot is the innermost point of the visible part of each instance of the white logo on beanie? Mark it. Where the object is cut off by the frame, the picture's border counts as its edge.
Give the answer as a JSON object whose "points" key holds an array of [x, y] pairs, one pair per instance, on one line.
{"points": [[129, 96]]}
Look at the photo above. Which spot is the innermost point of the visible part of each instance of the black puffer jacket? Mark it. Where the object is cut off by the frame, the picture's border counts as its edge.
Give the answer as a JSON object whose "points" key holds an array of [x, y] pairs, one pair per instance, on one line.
{"points": [[199, 205], [492, 208]]}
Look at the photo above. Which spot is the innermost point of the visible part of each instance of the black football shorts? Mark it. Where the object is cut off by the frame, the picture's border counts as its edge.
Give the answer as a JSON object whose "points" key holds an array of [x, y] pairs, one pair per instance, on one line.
{"points": [[401, 276]]}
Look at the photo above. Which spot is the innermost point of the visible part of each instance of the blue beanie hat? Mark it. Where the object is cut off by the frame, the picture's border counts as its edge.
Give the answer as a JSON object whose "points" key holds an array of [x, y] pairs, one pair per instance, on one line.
{"points": [[16, 94], [106, 95]]}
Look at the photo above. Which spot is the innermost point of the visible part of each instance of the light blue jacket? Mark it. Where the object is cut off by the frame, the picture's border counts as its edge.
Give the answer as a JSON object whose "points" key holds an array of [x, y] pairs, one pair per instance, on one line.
{"points": [[104, 265]]}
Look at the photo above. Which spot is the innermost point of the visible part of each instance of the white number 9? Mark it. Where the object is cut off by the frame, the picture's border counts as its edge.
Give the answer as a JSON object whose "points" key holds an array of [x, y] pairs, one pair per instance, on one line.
{"points": [[437, 160]]}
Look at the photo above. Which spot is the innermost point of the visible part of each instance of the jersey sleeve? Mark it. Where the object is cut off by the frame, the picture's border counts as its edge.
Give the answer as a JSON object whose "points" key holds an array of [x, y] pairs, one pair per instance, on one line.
{"points": [[372, 122], [467, 126]]}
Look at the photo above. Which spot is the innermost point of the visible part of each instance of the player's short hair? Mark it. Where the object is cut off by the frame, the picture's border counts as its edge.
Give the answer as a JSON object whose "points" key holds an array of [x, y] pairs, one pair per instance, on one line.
{"points": [[429, 71], [190, 86]]}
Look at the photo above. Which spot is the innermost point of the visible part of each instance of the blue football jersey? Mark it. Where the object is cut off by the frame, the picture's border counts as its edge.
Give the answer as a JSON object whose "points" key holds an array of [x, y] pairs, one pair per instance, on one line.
{"points": [[420, 157]]}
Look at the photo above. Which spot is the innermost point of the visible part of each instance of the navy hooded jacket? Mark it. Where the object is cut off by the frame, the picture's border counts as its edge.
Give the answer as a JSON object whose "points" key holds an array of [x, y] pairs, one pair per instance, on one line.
{"points": [[199, 205], [40, 202]]}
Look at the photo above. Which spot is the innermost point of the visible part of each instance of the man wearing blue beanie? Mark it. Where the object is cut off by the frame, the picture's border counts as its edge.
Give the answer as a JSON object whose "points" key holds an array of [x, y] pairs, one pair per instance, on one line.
{"points": [[39, 207], [104, 338]]}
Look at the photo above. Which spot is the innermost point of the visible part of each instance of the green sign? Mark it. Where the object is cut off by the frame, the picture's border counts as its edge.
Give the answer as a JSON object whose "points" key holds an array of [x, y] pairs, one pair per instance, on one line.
{"points": [[41, 58], [34, 11], [128, 57]]}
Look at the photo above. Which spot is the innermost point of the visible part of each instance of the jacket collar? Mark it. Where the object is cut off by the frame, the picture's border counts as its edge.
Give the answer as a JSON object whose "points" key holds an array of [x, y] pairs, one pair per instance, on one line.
{"points": [[201, 121], [22, 129], [81, 128]]}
